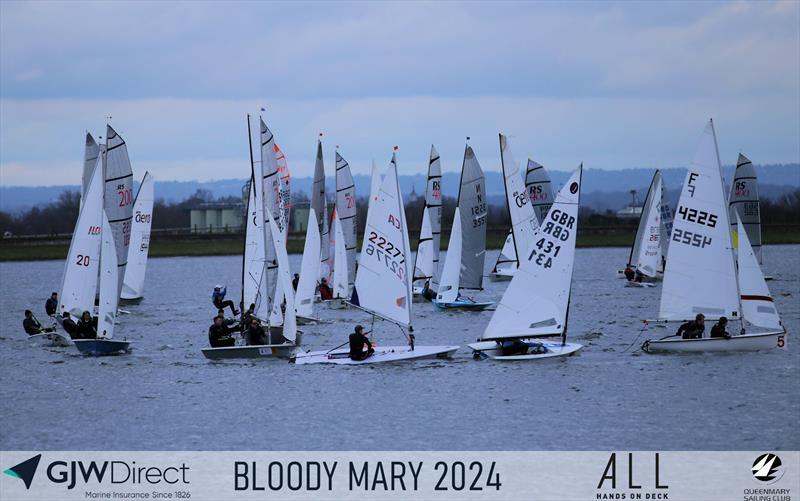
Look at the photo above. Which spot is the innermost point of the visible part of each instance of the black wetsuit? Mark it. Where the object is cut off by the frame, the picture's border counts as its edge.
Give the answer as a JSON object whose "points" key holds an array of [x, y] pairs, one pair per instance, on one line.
{"points": [[51, 306], [70, 327], [33, 327], [220, 335], [357, 342], [690, 330], [427, 294], [256, 335], [295, 281], [85, 330], [719, 331]]}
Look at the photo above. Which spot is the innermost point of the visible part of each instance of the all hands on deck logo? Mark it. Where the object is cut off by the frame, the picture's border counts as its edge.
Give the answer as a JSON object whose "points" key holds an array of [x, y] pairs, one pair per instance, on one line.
{"points": [[768, 468], [25, 470]]}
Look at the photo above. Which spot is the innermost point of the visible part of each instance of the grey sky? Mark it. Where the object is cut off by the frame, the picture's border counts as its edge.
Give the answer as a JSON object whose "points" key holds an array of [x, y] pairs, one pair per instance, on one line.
{"points": [[614, 85]]}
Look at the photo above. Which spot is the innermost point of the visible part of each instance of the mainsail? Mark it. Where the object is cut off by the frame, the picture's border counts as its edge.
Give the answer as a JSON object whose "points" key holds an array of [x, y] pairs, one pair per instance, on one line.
{"points": [[666, 225], [426, 262], [109, 295], [118, 198], [90, 155], [309, 269], [278, 245], [646, 250], [320, 207], [448, 288], [537, 298], [743, 200], [271, 203], [758, 307], [341, 268], [383, 283], [540, 189], [346, 210], [79, 285], [133, 285], [700, 275], [285, 198], [472, 208]]}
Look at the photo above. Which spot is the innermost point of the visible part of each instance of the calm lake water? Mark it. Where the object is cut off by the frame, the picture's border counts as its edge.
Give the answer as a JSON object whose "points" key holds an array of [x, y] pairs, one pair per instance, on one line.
{"points": [[166, 395]]}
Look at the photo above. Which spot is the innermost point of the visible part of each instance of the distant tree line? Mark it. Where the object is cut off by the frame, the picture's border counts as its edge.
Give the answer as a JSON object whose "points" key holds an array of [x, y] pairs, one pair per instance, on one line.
{"points": [[60, 216]]}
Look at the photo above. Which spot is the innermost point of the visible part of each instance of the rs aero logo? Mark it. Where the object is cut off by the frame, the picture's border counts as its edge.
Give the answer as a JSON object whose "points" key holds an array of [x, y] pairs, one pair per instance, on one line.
{"points": [[25, 470], [768, 468]]}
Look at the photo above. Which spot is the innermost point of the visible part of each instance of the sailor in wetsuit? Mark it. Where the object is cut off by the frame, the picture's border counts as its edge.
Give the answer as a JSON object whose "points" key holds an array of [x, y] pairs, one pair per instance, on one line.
{"points": [[86, 327], [719, 329], [69, 325], [630, 275], [219, 334], [427, 292], [357, 341], [693, 329], [218, 298], [32, 326], [51, 305]]}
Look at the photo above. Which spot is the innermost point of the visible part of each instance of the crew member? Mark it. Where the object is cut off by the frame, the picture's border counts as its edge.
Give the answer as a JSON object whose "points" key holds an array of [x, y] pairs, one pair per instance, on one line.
{"points": [[629, 273], [86, 328], [693, 329], [325, 291], [357, 341], [218, 298], [51, 305], [255, 334], [719, 328], [219, 334], [427, 292], [32, 326]]}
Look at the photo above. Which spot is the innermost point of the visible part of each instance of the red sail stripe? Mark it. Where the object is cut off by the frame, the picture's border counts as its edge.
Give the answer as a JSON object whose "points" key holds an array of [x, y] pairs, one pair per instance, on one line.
{"points": [[757, 298]]}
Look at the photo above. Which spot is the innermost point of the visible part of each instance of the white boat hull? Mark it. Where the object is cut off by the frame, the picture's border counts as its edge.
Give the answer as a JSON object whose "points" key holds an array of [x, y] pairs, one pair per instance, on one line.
{"points": [[381, 355], [52, 339], [745, 342], [491, 349], [262, 351], [102, 347]]}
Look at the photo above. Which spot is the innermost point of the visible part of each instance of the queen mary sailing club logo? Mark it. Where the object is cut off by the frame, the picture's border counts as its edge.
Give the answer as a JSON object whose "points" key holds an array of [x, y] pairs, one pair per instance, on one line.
{"points": [[25, 470], [768, 468]]}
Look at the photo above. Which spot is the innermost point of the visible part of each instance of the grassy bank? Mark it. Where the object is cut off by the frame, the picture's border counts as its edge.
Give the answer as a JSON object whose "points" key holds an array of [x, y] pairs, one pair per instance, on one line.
{"points": [[229, 244]]}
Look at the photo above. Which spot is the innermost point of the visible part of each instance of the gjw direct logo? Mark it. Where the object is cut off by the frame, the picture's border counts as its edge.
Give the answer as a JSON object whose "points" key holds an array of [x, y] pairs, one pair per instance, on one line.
{"points": [[768, 468], [25, 470]]}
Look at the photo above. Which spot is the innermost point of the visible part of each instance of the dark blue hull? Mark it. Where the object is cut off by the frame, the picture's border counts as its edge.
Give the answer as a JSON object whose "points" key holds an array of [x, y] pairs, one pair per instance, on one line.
{"points": [[102, 347]]}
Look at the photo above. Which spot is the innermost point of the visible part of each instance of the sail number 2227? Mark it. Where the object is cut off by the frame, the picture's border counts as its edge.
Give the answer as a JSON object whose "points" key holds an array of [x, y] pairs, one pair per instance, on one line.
{"points": [[386, 253]]}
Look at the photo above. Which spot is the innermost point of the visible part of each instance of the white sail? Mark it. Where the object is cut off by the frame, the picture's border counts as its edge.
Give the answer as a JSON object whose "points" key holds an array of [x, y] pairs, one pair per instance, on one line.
{"points": [[472, 207], [448, 287], [79, 285], [540, 189], [285, 279], [285, 194], [341, 266], [109, 298], [507, 259], [309, 269], [346, 210], [118, 198], [374, 182], [426, 262], [537, 298], [276, 314], [666, 225], [90, 155], [383, 284], [700, 275], [254, 285], [646, 251], [758, 307], [423, 261], [320, 207], [523, 220], [270, 199], [133, 285], [744, 201]]}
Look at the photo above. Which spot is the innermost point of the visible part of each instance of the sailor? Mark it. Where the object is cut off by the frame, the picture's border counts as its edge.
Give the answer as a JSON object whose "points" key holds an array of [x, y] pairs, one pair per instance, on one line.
{"points": [[357, 341], [325, 291], [513, 347], [219, 334], [629, 273], [295, 281], [255, 334], [51, 305], [693, 329], [85, 328], [32, 326], [69, 325], [718, 329], [227, 321], [218, 298], [639, 276], [426, 291]]}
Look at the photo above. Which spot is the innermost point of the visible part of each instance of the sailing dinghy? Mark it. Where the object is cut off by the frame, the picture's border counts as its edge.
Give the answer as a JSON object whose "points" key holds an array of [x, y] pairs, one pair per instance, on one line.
{"points": [[383, 281], [701, 275], [309, 272], [133, 285], [536, 302], [744, 201], [426, 261], [466, 251], [646, 257]]}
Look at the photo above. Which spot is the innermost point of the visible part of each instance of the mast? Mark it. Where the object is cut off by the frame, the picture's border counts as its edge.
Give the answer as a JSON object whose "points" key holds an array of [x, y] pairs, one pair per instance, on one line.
{"points": [[247, 209]]}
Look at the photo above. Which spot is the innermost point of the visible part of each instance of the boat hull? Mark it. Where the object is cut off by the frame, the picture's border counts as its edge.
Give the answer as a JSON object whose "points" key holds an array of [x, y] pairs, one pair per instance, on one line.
{"points": [[130, 300], [264, 351], [382, 354], [491, 349], [745, 342], [301, 320], [52, 339], [102, 347], [463, 305], [659, 276], [639, 285]]}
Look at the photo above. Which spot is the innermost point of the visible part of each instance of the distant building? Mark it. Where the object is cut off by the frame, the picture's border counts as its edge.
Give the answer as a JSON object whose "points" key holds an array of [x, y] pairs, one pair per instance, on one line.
{"points": [[298, 223], [633, 211], [216, 217]]}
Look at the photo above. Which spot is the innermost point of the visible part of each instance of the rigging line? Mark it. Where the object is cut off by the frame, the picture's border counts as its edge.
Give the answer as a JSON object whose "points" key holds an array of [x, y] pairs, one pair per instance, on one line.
{"points": [[637, 337]]}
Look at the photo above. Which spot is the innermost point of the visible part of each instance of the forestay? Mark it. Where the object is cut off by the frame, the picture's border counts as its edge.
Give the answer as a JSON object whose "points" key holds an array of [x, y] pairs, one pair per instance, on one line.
{"points": [[646, 251], [537, 298], [346, 210], [320, 207], [743, 200], [426, 262], [472, 207], [448, 288], [118, 198], [540, 189], [309, 269], [700, 275], [758, 307], [107, 309], [383, 282], [341, 265], [79, 285], [133, 286]]}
